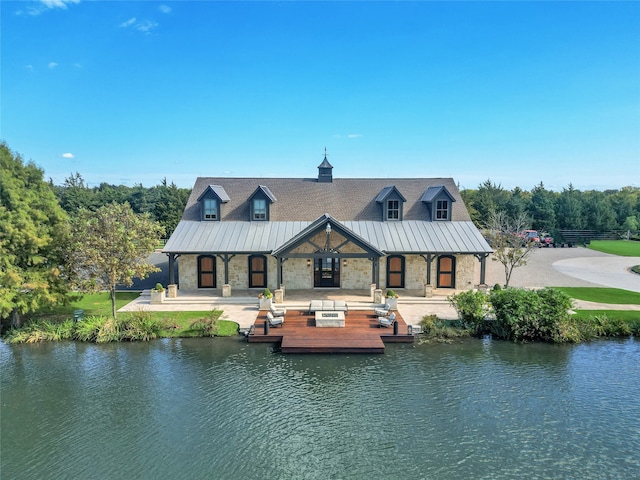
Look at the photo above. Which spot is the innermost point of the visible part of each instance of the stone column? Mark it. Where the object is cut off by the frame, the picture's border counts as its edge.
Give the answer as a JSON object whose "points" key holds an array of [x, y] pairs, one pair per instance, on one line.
{"points": [[372, 289], [377, 296], [172, 291], [226, 290], [278, 295], [428, 291]]}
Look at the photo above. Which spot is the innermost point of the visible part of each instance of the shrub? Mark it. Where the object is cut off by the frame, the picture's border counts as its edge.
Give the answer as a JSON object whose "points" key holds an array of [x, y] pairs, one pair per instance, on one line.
{"points": [[471, 307], [158, 287], [391, 294], [529, 315], [87, 329], [266, 293], [140, 326]]}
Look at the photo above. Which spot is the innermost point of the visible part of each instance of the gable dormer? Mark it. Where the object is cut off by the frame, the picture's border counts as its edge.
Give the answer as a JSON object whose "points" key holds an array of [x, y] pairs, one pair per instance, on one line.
{"points": [[392, 202], [211, 201], [260, 204], [439, 202]]}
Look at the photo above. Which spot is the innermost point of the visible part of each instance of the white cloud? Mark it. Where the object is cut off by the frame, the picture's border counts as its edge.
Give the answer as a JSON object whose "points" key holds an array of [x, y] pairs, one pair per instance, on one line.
{"points": [[52, 65], [68, 155], [41, 6], [354, 135], [164, 8], [128, 23], [144, 26], [29, 67]]}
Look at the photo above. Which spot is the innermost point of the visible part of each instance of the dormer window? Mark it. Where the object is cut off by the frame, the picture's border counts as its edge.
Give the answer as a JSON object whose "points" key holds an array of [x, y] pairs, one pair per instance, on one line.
{"points": [[439, 202], [391, 200], [393, 209], [210, 202], [259, 204], [259, 209], [210, 209], [442, 210]]}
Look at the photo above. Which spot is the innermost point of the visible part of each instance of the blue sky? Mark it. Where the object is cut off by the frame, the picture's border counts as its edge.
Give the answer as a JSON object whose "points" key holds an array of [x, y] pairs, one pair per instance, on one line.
{"points": [[516, 92]]}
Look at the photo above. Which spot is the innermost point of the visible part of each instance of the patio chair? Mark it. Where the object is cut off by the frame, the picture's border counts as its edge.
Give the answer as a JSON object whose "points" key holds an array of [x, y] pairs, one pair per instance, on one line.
{"points": [[387, 321], [382, 311], [277, 312], [274, 321]]}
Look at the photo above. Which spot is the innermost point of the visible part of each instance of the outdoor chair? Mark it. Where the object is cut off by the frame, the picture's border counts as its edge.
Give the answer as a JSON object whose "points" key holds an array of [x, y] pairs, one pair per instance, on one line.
{"points": [[277, 312], [274, 321], [382, 311], [387, 321]]}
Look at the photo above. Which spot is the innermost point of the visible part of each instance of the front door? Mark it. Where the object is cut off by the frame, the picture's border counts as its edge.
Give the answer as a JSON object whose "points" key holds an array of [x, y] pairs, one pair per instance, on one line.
{"points": [[206, 271], [446, 272], [326, 272]]}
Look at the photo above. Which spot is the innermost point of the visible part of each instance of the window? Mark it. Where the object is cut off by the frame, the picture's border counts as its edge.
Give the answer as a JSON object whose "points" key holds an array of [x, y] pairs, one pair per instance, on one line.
{"points": [[259, 209], [210, 209], [393, 210], [442, 210]]}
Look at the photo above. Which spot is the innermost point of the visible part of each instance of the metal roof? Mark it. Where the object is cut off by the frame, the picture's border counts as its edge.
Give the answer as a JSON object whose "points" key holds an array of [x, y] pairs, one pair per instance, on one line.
{"points": [[409, 236]]}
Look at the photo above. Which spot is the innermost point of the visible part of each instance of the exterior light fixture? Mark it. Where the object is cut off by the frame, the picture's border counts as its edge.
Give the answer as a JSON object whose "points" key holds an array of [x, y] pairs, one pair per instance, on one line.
{"points": [[308, 262], [344, 262], [328, 229]]}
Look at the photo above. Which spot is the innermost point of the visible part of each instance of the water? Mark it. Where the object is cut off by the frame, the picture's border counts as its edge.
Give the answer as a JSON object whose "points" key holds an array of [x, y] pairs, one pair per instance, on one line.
{"points": [[202, 408]]}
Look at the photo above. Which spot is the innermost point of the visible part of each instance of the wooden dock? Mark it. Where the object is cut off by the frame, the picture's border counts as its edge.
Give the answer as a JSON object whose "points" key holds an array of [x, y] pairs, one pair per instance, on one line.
{"points": [[361, 334]]}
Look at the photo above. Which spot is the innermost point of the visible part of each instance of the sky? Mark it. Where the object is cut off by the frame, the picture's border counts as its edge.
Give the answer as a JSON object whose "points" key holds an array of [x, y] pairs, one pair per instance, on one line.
{"points": [[509, 91]]}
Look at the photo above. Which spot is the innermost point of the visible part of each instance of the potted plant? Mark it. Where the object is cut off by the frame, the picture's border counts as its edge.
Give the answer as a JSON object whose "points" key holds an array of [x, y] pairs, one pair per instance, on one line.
{"points": [[265, 298], [392, 299], [157, 294]]}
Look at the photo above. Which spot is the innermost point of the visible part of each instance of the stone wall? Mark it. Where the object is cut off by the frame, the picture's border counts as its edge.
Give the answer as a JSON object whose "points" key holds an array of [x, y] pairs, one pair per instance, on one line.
{"points": [[355, 275]]}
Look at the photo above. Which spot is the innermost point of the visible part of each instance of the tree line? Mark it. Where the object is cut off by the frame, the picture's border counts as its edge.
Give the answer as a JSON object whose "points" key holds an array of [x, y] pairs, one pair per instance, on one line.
{"points": [[550, 211], [164, 203]]}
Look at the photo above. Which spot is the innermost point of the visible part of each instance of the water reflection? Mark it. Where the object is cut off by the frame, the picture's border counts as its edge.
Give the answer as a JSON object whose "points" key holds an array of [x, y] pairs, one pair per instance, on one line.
{"points": [[202, 408]]}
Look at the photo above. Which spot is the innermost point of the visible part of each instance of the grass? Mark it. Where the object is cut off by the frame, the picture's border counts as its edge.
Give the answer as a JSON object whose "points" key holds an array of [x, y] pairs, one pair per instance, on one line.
{"points": [[626, 315], [96, 306], [602, 295], [624, 248]]}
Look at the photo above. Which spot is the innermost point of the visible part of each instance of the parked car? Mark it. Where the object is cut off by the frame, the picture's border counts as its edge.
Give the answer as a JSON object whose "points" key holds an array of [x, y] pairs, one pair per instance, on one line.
{"points": [[546, 240], [528, 236]]}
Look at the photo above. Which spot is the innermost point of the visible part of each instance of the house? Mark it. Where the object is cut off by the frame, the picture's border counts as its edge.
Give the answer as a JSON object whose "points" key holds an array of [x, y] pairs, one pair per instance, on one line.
{"points": [[326, 232]]}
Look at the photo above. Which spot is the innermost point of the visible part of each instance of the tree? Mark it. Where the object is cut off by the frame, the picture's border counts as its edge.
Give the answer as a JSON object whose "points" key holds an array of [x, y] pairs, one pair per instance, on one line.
{"points": [[170, 205], [509, 248], [74, 194], [490, 198], [569, 209], [542, 211], [33, 237], [110, 247]]}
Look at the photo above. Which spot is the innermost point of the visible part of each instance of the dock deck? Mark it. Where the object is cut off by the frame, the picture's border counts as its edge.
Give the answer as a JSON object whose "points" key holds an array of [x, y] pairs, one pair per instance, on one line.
{"points": [[361, 334]]}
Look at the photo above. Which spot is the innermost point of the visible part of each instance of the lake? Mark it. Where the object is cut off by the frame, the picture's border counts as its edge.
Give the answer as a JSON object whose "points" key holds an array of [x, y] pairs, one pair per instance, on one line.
{"points": [[225, 409]]}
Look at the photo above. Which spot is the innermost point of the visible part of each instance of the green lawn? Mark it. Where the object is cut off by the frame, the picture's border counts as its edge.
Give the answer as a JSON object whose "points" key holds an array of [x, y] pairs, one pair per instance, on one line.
{"points": [[178, 324], [626, 315], [624, 248], [602, 295]]}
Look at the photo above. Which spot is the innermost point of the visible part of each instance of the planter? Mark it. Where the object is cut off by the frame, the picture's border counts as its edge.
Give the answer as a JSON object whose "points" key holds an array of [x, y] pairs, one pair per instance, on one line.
{"points": [[157, 297], [265, 303], [392, 301]]}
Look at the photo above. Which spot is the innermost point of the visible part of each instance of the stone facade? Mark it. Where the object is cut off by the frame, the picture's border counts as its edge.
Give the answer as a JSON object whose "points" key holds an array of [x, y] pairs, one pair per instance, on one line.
{"points": [[355, 273]]}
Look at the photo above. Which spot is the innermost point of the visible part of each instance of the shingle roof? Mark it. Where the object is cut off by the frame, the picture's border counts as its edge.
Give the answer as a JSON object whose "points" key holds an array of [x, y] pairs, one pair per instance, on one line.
{"points": [[305, 199]]}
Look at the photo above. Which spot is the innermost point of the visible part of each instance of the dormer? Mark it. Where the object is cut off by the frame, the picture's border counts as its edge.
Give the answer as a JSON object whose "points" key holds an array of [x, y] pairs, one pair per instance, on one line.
{"points": [[439, 202], [260, 204], [392, 201], [211, 201]]}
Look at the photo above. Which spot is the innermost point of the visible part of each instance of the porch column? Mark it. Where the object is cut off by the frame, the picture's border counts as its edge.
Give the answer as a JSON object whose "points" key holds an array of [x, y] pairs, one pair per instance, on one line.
{"points": [[279, 270], [482, 257], [226, 258], [172, 268], [375, 271], [429, 259]]}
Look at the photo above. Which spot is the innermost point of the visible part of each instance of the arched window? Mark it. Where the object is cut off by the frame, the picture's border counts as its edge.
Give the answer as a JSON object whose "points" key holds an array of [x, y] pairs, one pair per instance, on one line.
{"points": [[395, 271], [206, 271]]}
